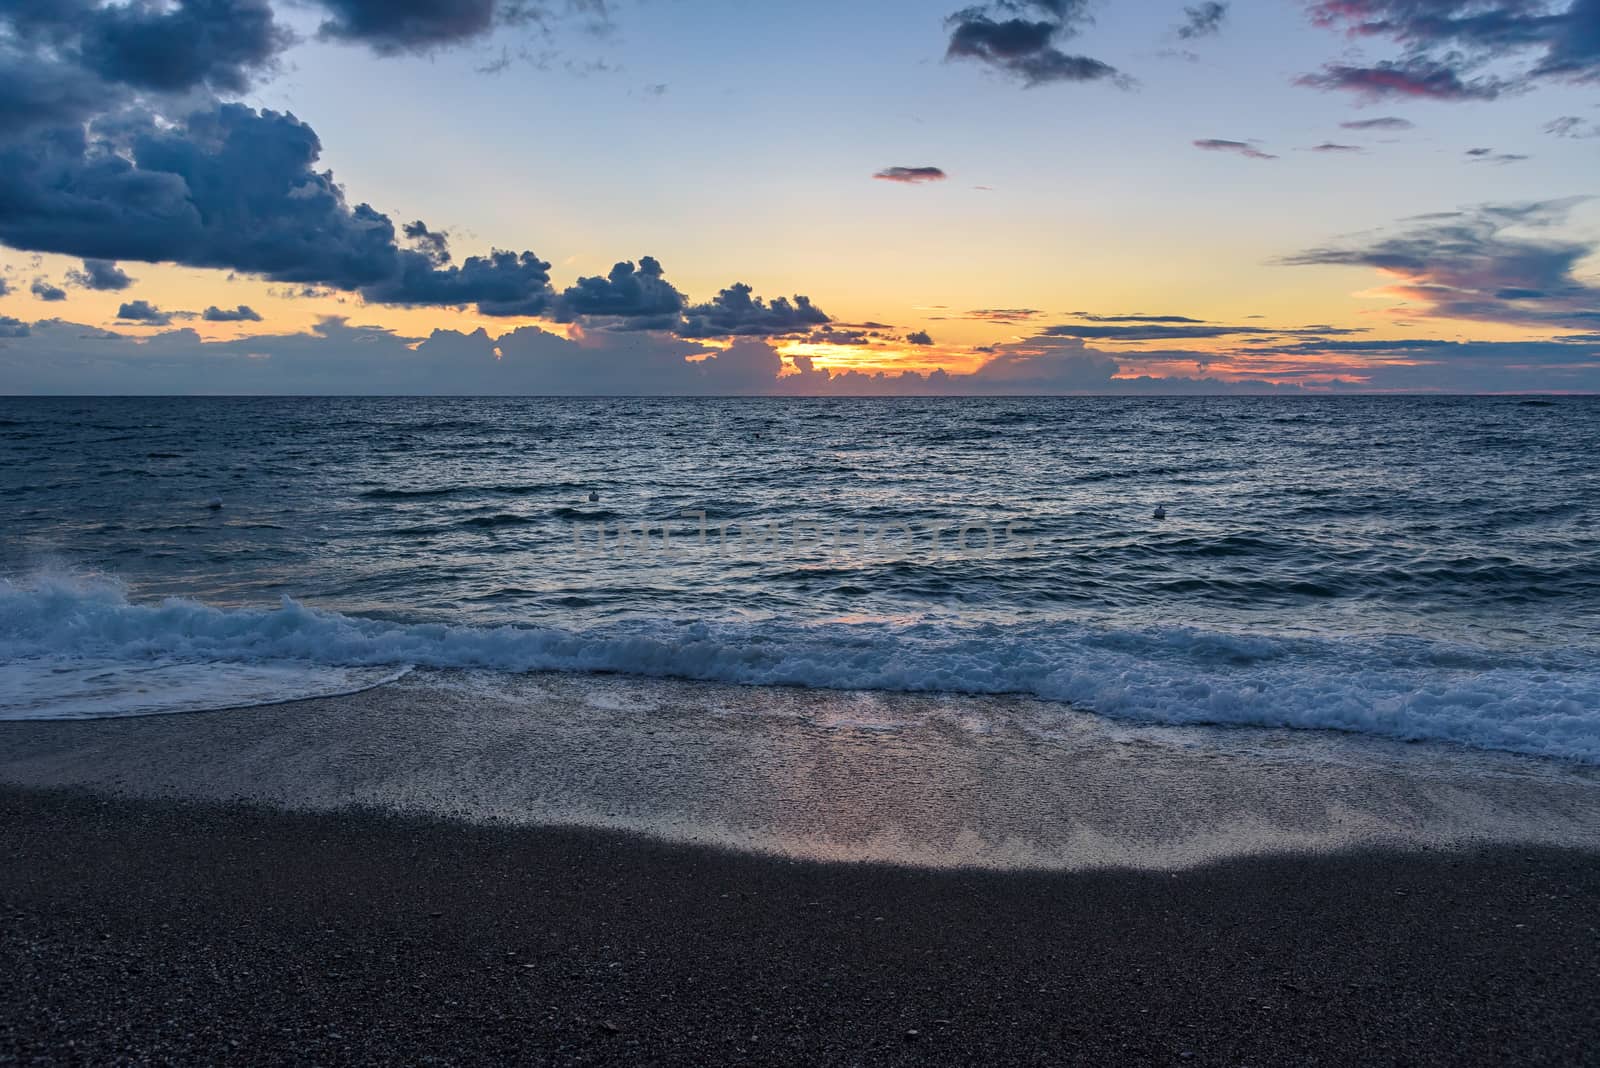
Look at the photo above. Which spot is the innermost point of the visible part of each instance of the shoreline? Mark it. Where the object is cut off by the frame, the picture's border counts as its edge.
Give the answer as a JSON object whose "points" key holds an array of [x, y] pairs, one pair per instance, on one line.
{"points": [[191, 931], [922, 779]]}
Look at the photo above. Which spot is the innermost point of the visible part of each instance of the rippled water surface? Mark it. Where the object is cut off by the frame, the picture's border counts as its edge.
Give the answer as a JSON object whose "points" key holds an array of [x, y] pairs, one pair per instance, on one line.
{"points": [[1410, 567]]}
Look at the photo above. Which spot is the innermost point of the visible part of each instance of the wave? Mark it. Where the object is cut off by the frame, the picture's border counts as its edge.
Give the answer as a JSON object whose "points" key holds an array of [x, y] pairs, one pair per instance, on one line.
{"points": [[1539, 703]]}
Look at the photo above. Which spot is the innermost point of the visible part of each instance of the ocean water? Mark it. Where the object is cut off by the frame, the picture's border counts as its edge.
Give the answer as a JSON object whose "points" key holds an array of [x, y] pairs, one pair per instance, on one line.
{"points": [[1411, 568]]}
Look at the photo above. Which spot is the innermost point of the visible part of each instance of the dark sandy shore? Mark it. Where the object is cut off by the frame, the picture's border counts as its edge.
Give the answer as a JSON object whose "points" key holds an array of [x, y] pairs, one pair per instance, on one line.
{"points": [[135, 931]]}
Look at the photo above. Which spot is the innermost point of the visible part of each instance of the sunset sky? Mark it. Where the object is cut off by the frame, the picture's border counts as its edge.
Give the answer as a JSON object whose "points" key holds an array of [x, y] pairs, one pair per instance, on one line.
{"points": [[1027, 196]]}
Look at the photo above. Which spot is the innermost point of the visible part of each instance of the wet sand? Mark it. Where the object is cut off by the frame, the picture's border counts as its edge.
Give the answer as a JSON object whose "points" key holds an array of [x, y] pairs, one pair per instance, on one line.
{"points": [[196, 932]]}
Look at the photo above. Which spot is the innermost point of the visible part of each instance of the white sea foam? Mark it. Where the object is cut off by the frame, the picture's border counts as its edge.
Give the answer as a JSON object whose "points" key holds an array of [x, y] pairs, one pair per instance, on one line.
{"points": [[1399, 687]]}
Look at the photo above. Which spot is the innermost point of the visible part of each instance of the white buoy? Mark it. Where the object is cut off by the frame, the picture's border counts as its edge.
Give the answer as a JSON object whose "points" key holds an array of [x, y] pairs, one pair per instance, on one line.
{"points": [[215, 504]]}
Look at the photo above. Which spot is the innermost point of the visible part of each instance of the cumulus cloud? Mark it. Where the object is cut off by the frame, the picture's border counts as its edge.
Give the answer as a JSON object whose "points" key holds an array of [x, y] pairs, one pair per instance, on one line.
{"points": [[1243, 148], [910, 175], [632, 297], [44, 290], [1019, 38], [1203, 20], [102, 275], [1446, 44], [230, 187], [919, 337], [735, 312], [1491, 263], [142, 311], [242, 314], [338, 357]]}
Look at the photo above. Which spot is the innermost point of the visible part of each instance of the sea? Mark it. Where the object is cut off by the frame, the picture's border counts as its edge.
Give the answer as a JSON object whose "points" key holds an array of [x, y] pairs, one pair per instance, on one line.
{"points": [[1411, 569]]}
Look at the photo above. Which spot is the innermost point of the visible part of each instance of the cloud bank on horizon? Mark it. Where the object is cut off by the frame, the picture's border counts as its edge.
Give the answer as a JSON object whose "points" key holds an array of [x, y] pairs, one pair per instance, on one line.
{"points": [[125, 138]]}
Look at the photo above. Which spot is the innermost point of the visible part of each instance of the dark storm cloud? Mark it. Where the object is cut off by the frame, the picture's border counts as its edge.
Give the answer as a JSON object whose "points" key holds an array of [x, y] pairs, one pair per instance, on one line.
{"points": [[1203, 20], [36, 93], [1388, 122], [734, 312], [235, 189], [242, 314], [640, 297], [1466, 265], [142, 311], [1243, 148], [189, 44], [1444, 42], [102, 275], [910, 175], [1019, 38], [44, 290]]}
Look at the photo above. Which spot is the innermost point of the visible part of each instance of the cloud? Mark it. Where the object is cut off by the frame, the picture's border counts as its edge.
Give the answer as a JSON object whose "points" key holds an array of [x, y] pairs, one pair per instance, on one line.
{"points": [[242, 314], [1572, 127], [1003, 315], [1330, 146], [1387, 122], [142, 311], [1243, 148], [434, 244], [101, 275], [1018, 38], [43, 290], [502, 283], [1203, 20], [1153, 331], [189, 44], [5, 286], [1136, 318], [633, 297], [390, 27], [919, 337], [910, 175], [13, 328], [1489, 155], [1444, 42], [1408, 78], [337, 357], [238, 189], [1473, 265], [734, 312]]}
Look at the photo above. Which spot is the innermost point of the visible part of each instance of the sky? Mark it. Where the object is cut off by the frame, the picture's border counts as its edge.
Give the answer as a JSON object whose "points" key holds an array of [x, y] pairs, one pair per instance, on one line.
{"points": [[903, 197]]}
